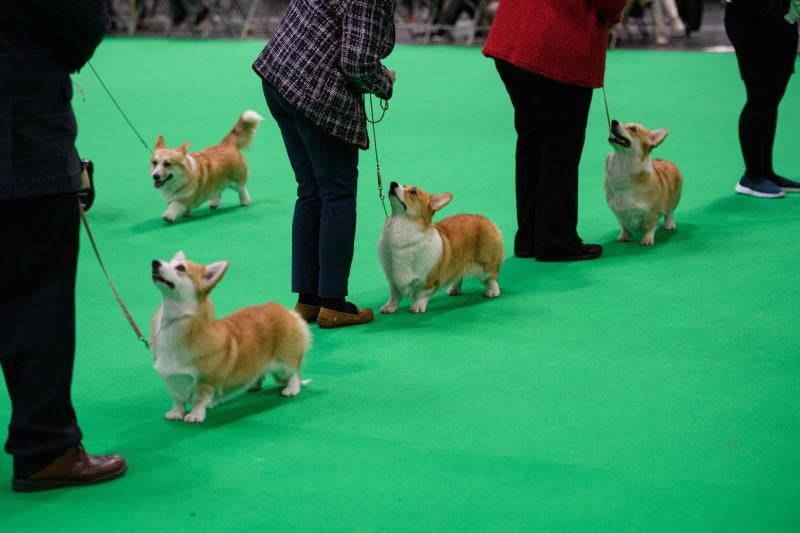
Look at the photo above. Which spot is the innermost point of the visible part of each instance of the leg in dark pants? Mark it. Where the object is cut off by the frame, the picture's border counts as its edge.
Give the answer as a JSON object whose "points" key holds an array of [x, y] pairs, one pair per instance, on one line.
{"points": [[550, 118], [37, 327], [758, 122], [324, 226]]}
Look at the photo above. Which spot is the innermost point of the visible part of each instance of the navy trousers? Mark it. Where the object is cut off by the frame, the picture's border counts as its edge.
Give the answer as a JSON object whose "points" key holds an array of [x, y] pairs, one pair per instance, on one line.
{"points": [[324, 223], [37, 326]]}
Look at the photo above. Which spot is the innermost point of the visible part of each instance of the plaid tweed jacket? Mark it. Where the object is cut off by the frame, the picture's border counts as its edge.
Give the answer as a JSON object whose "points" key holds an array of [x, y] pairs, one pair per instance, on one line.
{"points": [[325, 56]]}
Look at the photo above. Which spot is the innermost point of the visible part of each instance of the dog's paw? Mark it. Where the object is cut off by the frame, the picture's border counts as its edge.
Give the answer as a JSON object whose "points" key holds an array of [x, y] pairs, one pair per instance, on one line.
{"points": [[492, 292], [419, 306], [454, 290], [624, 236], [214, 203], [174, 414], [670, 225], [167, 218], [244, 198], [647, 240], [194, 417], [389, 307], [291, 390]]}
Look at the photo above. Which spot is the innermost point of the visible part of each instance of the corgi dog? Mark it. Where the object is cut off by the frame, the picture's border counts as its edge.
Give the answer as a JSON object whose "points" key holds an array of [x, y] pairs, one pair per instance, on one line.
{"points": [[640, 190], [205, 361], [419, 256], [188, 180]]}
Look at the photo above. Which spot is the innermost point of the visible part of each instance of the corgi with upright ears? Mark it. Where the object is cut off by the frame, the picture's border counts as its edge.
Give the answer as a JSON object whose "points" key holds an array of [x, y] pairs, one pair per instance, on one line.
{"points": [[205, 361], [419, 256], [186, 180], [640, 190]]}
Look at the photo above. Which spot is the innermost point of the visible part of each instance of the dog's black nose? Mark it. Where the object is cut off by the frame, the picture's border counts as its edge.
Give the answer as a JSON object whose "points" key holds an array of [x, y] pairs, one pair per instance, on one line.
{"points": [[156, 264], [614, 123], [156, 177], [393, 185]]}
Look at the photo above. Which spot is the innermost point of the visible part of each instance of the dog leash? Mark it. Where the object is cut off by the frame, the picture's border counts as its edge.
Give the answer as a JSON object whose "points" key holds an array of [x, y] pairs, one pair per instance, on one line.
{"points": [[114, 100], [384, 106], [128, 315], [605, 101]]}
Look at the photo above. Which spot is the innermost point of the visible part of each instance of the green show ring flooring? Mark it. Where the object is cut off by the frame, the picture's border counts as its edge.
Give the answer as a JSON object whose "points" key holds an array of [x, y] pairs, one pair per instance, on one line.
{"points": [[652, 390]]}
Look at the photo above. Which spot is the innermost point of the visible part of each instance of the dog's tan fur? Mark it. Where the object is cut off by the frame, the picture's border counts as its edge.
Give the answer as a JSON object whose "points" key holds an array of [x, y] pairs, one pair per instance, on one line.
{"points": [[187, 180], [420, 256], [220, 358], [639, 190]]}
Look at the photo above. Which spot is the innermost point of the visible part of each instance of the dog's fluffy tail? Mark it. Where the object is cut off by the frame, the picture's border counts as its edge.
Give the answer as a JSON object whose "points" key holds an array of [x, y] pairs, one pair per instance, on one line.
{"points": [[242, 133]]}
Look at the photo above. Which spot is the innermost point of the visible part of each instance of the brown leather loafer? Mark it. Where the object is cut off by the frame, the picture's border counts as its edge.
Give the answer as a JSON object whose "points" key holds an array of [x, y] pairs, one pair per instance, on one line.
{"points": [[328, 318], [307, 311], [75, 467]]}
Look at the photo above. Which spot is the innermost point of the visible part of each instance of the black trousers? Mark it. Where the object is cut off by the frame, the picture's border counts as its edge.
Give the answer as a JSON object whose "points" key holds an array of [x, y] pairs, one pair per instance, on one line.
{"points": [[324, 223], [766, 53], [550, 118], [37, 326]]}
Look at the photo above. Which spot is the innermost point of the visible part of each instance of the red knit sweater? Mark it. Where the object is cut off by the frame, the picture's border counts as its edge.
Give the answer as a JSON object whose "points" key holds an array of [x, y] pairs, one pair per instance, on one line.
{"points": [[564, 40]]}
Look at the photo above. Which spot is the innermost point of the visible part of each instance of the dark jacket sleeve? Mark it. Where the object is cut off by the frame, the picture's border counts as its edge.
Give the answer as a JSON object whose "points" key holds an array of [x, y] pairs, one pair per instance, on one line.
{"points": [[76, 27], [362, 27]]}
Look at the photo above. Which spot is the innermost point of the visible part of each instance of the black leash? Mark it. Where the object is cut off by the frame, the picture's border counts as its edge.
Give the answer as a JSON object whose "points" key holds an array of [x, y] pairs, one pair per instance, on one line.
{"points": [[605, 101], [119, 108], [384, 106]]}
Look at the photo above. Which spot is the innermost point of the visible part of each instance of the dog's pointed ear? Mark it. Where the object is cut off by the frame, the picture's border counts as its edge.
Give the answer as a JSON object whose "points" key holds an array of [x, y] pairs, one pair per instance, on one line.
{"points": [[160, 142], [212, 274], [184, 147], [657, 137], [438, 201], [179, 256]]}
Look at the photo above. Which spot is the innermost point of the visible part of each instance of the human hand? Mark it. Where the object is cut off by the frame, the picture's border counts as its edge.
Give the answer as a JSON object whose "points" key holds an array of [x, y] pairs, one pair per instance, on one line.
{"points": [[392, 75]]}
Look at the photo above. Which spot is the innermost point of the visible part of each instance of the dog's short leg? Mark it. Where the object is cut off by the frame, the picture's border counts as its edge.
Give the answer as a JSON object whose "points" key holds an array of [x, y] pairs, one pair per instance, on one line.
{"points": [[174, 210], [256, 386], [177, 411], [202, 399], [649, 237], [214, 203], [421, 301], [624, 235], [492, 288], [455, 288], [293, 387], [394, 300], [669, 222], [244, 196]]}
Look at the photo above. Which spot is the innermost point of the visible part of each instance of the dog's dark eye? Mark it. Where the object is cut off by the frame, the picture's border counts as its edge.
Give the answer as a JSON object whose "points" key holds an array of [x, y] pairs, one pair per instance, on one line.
{"points": [[155, 162], [167, 164], [181, 268], [413, 192]]}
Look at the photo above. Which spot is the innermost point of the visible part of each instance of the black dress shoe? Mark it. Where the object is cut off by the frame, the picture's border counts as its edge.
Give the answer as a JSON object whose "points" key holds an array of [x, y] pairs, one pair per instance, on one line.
{"points": [[74, 467], [523, 254], [582, 253]]}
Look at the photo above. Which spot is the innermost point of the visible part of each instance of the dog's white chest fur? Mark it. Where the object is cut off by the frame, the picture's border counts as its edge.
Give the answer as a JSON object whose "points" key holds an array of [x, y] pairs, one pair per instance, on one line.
{"points": [[172, 361], [408, 253], [624, 198]]}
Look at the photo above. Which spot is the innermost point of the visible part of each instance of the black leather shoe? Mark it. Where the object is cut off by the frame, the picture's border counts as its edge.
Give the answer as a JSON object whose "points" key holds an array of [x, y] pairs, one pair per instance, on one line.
{"points": [[582, 253], [74, 467], [523, 254]]}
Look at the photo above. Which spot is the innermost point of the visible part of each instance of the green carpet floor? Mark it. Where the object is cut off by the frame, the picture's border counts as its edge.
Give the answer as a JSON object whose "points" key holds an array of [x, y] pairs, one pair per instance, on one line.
{"points": [[651, 390]]}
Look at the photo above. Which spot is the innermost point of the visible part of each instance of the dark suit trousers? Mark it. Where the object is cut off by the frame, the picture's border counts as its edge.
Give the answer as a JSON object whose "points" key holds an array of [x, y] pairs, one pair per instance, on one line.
{"points": [[550, 119], [37, 326], [324, 224]]}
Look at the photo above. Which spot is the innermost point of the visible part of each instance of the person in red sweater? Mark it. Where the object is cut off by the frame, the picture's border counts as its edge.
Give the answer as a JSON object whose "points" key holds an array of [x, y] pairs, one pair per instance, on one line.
{"points": [[550, 55]]}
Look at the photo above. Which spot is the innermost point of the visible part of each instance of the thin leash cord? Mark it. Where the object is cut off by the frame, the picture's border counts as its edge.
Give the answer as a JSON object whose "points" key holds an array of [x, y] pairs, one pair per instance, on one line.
{"points": [[114, 100], [384, 106], [128, 315], [605, 101]]}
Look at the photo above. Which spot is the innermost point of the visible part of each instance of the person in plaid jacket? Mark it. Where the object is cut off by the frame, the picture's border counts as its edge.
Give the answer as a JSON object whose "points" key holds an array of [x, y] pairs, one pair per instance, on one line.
{"points": [[325, 55]]}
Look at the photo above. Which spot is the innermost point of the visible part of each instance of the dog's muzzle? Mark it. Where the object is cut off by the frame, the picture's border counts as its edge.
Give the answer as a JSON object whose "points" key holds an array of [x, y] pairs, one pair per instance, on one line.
{"points": [[616, 137], [393, 186], [156, 273], [159, 182]]}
